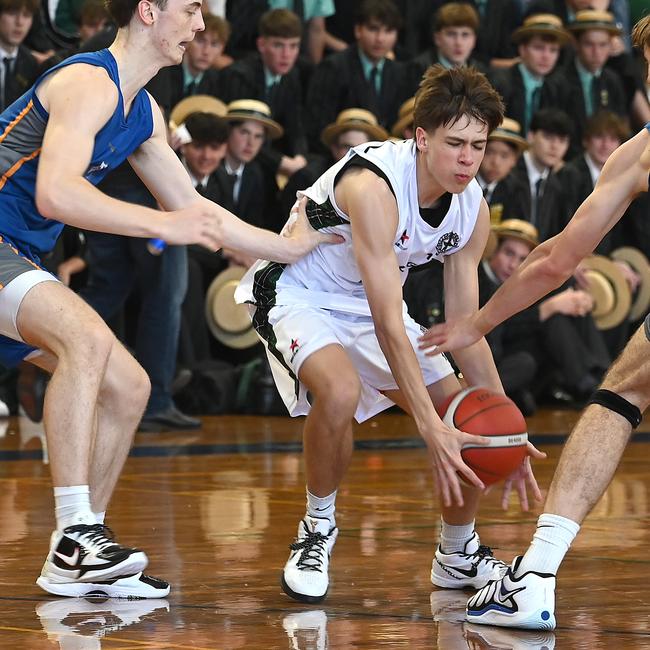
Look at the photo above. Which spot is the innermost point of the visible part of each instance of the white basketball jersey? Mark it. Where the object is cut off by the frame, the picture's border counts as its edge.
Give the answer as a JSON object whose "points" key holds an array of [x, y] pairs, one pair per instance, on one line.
{"points": [[329, 277]]}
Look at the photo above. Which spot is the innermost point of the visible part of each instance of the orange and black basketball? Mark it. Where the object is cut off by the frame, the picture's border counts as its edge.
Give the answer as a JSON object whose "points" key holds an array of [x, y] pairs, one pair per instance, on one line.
{"points": [[485, 413]]}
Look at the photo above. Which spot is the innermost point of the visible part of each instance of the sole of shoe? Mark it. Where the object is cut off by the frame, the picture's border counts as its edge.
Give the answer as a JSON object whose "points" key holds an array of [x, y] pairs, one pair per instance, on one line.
{"points": [[540, 619], [102, 590], [303, 598]]}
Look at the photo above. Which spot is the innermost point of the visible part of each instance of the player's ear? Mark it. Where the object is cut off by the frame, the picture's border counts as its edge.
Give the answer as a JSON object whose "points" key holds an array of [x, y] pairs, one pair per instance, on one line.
{"points": [[421, 139], [146, 12]]}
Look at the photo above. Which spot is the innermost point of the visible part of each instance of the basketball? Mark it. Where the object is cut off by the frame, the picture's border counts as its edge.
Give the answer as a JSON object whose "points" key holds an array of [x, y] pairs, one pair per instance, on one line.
{"points": [[483, 412]]}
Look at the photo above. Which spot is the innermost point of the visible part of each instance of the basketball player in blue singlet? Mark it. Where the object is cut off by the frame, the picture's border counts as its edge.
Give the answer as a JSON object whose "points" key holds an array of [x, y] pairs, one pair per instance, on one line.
{"points": [[525, 595], [80, 120]]}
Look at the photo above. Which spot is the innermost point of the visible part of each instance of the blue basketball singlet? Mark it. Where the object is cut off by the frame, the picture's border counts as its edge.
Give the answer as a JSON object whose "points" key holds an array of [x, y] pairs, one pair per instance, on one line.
{"points": [[22, 127]]}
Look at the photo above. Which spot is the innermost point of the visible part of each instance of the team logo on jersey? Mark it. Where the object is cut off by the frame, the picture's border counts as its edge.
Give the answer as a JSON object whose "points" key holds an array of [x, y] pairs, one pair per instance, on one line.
{"points": [[401, 242], [448, 241], [294, 347]]}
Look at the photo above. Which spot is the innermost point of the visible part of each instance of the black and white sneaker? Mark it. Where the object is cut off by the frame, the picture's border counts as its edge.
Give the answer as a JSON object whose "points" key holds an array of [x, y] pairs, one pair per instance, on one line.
{"points": [[474, 566], [88, 554], [305, 576]]}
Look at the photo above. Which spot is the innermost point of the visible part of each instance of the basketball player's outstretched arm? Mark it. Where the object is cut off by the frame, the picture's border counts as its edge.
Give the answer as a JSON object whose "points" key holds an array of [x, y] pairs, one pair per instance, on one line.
{"points": [[373, 214], [624, 176], [163, 173]]}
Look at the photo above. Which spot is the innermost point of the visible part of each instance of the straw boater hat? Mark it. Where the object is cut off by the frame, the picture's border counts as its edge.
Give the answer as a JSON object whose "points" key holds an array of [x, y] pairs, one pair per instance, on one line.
{"points": [[229, 322], [639, 263], [541, 25], [404, 118], [593, 19], [610, 291], [195, 104], [509, 131], [357, 119], [514, 228], [252, 109]]}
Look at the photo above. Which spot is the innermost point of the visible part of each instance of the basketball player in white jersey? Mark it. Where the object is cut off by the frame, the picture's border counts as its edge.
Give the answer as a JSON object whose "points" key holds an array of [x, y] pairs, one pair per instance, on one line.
{"points": [[335, 325]]}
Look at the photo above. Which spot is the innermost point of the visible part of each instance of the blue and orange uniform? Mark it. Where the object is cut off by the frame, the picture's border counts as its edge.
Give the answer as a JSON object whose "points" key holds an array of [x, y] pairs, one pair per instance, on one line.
{"points": [[25, 235]]}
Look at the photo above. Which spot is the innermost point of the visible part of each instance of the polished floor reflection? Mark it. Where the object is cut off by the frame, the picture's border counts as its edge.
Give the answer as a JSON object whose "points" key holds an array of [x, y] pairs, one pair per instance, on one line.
{"points": [[216, 510]]}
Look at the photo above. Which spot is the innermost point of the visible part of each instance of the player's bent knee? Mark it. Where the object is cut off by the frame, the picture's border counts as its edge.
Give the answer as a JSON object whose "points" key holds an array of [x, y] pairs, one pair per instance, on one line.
{"points": [[340, 396]]}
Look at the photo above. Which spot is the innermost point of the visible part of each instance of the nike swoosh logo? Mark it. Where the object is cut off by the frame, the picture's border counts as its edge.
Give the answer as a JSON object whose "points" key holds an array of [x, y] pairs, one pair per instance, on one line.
{"points": [[509, 593], [69, 560], [470, 573]]}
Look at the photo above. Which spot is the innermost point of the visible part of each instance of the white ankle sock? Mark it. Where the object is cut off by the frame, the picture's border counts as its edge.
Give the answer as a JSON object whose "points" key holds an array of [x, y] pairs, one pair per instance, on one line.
{"points": [[454, 538], [322, 506], [550, 543], [99, 517], [72, 506]]}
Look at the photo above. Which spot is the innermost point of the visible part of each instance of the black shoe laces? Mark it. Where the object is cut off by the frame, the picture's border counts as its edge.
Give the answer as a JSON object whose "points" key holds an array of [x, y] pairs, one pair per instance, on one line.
{"points": [[313, 547], [97, 534], [484, 554]]}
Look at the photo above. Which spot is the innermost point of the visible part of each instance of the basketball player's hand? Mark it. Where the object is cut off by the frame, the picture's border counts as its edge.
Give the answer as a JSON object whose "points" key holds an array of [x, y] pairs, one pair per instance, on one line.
{"points": [[449, 336], [197, 224], [522, 477], [300, 231], [445, 444]]}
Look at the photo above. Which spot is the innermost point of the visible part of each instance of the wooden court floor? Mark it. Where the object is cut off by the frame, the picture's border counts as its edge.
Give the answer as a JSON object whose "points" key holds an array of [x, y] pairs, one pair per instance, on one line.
{"points": [[216, 510]]}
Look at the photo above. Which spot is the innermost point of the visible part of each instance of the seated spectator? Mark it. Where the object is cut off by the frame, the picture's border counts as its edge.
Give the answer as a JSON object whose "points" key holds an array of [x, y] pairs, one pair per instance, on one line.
{"points": [[353, 127], [499, 19], [202, 156], [251, 124], [504, 192], [222, 27], [455, 28], [270, 75], [529, 86], [196, 74], [363, 75], [20, 68], [593, 87], [548, 141], [556, 338]]}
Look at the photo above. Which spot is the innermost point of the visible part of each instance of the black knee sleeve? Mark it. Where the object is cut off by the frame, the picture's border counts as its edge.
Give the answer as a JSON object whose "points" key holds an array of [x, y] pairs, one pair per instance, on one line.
{"points": [[618, 404]]}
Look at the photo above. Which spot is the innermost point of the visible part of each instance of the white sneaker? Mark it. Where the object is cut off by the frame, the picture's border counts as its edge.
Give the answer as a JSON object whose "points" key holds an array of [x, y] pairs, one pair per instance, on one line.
{"points": [[473, 567], [84, 553], [88, 621], [133, 587], [305, 576], [482, 636], [527, 601], [306, 630]]}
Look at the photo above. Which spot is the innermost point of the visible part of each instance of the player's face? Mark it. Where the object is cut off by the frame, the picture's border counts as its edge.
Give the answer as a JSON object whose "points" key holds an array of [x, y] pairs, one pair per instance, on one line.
{"points": [[600, 147], [202, 159], [246, 140], [452, 154], [201, 53], [455, 43], [498, 162], [278, 54], [508, 257], [14, 25], [539, 55], [548, 148], [176, 26], [375, 40], [593, 49]]}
